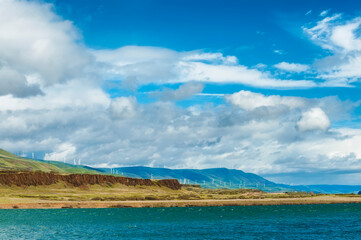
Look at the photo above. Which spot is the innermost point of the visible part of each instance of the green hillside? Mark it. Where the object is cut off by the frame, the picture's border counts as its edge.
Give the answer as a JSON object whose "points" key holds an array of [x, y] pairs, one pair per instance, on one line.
{"points": [[226, 178], [208, 178], [11, 162]]}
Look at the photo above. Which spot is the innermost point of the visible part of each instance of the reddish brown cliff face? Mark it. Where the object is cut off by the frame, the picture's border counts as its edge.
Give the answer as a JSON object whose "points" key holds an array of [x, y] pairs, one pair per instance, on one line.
{"points": [[76, 180]]}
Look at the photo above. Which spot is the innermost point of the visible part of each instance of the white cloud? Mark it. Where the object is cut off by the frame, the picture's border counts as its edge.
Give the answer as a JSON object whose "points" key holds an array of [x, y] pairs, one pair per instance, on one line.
{"points": [[134, 54], [278, 51], [142, 65], [211, 57], [37, 48], [344, 36], [63, 152], [74, 94], [123, 107], [184, 91], [14, 83], [70, 116], [249, 100], [321, 32], [124, 133], [324, 13], [341, 38], [236, 74], [260, 66], [314, 119], [292, 67]]}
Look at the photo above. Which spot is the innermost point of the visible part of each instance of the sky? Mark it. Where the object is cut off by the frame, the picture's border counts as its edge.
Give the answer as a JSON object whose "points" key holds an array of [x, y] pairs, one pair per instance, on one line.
{"points": [[268, 87]]}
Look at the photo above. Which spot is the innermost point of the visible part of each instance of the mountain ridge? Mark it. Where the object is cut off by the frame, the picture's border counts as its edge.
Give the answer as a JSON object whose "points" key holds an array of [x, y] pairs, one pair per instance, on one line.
{"points": [[254, 181], [208, 178]]}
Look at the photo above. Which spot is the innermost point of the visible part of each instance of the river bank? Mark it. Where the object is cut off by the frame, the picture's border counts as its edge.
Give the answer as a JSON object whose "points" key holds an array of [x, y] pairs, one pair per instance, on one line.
{"points": [[44, 204], [47, 190]]}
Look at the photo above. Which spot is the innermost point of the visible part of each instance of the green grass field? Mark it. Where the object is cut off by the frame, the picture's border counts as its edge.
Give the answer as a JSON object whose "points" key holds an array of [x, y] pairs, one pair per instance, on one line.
{"points": [[11, 162]]}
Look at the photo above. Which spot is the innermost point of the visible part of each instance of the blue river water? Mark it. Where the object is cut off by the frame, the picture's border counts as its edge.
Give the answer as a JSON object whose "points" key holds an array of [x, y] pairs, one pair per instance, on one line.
{"points": [[336, 221]]}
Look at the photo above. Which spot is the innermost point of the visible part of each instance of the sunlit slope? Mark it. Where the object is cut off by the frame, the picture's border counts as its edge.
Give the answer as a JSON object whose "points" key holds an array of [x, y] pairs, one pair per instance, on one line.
{"points": [[70, 168], [11, 162]]}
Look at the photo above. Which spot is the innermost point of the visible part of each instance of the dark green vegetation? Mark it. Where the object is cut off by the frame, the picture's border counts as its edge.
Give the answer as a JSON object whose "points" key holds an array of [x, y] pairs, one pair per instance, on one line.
{"points": [[11, 162]]}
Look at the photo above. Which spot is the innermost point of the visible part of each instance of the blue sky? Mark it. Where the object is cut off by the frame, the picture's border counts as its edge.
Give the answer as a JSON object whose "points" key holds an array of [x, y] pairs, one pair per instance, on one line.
{"points": [[269, 87], [250, 30], [255, 27]]}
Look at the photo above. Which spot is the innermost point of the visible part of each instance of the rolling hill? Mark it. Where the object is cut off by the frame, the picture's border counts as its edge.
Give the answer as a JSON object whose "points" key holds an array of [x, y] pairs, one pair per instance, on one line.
{"points": [[11, 162], [330, 189], [226, 178], [209, 178]]}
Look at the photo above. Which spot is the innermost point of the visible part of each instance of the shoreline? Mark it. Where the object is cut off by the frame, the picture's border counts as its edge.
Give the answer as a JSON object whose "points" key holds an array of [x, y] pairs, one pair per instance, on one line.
{"points": [[180, 203]]}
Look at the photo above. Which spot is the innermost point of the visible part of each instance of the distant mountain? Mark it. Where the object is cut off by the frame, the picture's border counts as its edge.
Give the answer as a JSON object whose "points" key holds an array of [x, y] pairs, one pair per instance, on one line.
{"points": [[11, 162], [225, 178], [331, 189], [208, 178]]}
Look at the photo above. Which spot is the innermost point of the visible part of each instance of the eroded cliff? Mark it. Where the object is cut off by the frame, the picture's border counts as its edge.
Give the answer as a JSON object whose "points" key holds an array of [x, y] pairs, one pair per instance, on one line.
{"points": [[42, 178]]}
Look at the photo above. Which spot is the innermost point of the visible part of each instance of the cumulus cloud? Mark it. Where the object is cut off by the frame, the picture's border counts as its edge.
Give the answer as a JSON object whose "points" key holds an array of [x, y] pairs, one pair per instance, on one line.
{"points": [[314, 119], [184, 91], [11, 82], [41, 49], [261, 138], [291, 67], [36, 48], [249, 100], [138, 65], [123, 107], [73, 94], [56, 108]]}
